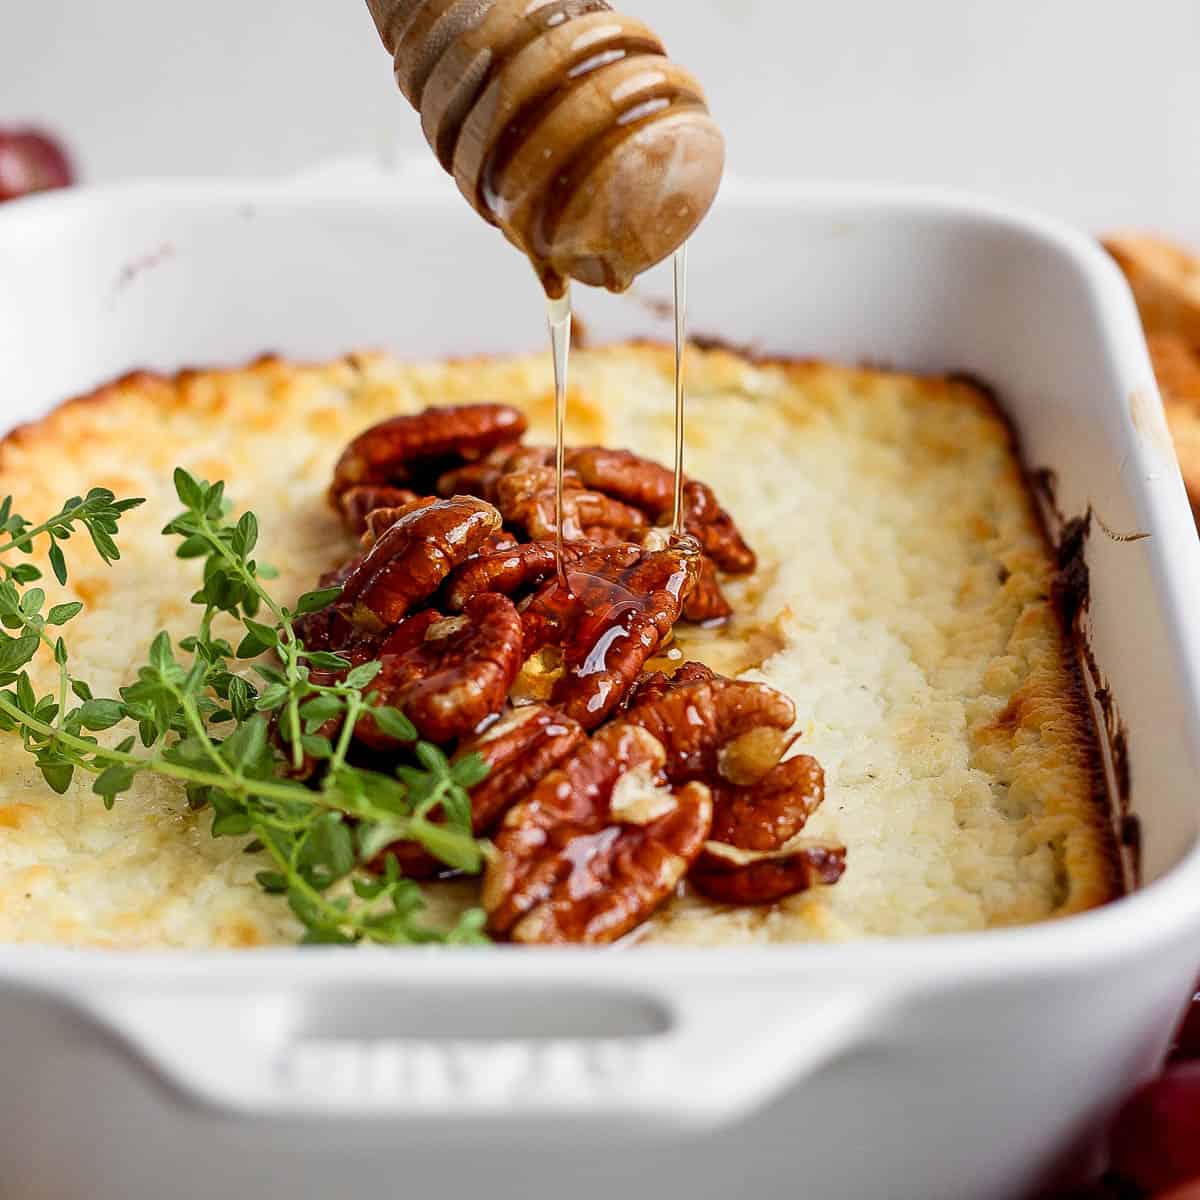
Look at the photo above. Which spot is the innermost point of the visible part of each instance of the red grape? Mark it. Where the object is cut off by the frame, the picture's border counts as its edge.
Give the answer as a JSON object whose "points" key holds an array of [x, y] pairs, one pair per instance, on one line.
{"points": [[1156, 1138], [31, 162]]}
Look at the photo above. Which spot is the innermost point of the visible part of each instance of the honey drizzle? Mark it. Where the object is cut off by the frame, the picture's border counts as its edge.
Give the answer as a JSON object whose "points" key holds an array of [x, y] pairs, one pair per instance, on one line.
{"points": [[680, 293], [558, 317]]}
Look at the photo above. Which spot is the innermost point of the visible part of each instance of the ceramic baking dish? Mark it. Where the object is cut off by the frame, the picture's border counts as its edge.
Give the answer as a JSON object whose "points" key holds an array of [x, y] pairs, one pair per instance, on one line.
{"points": [[958, 1066]]}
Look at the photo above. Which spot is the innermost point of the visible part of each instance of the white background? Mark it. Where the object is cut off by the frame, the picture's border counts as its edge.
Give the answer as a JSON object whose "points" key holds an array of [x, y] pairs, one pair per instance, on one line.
{"points": [[1089, 109]]}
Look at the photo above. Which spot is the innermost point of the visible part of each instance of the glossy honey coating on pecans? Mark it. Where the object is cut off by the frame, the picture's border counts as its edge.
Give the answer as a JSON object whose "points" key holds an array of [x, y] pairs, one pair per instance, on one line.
{"points": [[413, 450], [610, 616], [596, 846], [357, 503], [453, 678], [707, 601], [409, 560], [526, 500], [508, 570], [657, 684], [624, 614], [650, 487], [765, 878], [552, 612], [380, 520], [731, 734], [683, 776], [698, 721], [610, 496], [715, 529], [482, 478], [765, 815], [519, 750], [496, 543], [514, 475]]}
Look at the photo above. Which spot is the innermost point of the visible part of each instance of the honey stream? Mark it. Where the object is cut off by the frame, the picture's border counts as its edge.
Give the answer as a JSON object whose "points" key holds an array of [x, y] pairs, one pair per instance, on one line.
{"points": [[558, 318], [680, 295]]}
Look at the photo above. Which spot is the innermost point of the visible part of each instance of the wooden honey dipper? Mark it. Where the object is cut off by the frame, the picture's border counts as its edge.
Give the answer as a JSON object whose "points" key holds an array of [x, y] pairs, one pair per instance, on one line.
{"points": [[563, 123]]}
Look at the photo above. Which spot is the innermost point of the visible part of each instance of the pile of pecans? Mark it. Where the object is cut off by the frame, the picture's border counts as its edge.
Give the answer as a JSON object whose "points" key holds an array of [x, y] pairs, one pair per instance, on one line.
{"points": [[607, 786]]}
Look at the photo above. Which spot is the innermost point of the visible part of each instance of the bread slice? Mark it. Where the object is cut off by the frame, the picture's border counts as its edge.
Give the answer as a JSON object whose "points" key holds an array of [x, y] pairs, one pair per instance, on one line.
{"points": [[1177, 368], [1165, 279]]}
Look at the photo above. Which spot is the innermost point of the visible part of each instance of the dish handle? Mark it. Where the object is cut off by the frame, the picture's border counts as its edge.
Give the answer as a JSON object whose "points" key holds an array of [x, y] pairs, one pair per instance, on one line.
{"points": [[630, 1059]]}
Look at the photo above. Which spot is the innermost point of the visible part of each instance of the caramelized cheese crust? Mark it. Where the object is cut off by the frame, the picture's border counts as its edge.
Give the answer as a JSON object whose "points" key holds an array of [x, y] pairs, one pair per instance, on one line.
{"points": [[902, 599]]}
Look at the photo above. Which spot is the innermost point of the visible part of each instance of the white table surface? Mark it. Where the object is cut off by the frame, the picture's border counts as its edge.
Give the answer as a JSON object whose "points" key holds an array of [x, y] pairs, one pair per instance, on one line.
{"points": [[1088, 109]]}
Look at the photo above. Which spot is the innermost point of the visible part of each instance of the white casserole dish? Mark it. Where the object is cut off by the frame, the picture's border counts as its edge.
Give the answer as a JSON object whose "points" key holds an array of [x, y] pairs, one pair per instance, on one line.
{"points": [[958, 1066]]}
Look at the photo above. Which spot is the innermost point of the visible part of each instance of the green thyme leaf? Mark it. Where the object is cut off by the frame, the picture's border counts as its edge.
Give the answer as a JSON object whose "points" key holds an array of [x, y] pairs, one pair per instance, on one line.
{"points": [[245, 534], [57, 772], [316, 746], [321, 708], [264, 633], [272, 697], [58, 562], [254, 644], [394, 723], [32, 601], [332, 662], [247, 748], [100, 714], [16, 652], [432, 758], [232, 824], [188, 489], [469, 770], [363, 674], [312, 602], [112, 781], [452, 848], [469, 931]]}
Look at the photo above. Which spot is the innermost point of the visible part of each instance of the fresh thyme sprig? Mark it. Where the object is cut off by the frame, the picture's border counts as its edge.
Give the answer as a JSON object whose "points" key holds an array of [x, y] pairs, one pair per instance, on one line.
{"points": [[202, 721]]}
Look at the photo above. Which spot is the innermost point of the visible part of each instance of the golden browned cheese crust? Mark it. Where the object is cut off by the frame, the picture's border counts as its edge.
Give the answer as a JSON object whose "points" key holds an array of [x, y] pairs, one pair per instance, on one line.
{"points": [[902, 600]]}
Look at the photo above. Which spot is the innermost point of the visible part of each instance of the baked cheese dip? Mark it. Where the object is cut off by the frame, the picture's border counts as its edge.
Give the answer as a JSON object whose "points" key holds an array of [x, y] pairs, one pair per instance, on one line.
{"points": [[878, 581]]}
